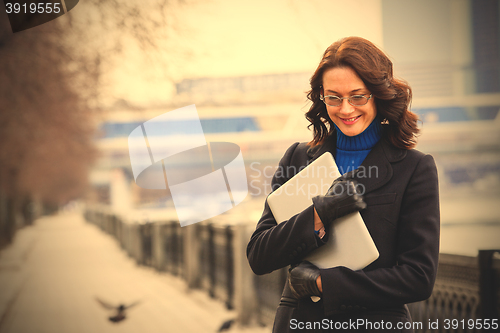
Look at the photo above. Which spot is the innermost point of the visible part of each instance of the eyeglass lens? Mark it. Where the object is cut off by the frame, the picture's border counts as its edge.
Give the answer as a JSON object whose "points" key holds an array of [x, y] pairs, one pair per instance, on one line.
{"points": [[357, 100]]}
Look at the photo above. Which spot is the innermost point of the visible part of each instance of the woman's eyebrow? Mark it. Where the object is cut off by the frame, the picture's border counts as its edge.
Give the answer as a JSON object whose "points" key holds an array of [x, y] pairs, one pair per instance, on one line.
{"points": [[352, 91]]}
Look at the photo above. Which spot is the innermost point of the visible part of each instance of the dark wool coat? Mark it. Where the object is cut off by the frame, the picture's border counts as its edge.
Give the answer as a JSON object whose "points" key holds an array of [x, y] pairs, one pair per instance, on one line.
{"points": [[402, 216]]}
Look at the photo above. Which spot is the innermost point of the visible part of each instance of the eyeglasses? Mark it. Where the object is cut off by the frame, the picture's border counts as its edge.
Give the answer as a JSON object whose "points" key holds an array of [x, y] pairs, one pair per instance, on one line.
{"points": [[354, 100]]}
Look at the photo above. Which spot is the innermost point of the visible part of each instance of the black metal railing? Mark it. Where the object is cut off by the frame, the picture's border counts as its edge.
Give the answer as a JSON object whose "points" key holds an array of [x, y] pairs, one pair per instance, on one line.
{"points": [[172, 248], [268, 288], [456, 303], [467, 288]]}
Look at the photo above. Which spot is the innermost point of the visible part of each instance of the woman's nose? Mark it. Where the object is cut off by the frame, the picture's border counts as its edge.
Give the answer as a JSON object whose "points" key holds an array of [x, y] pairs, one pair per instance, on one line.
{"points": [[345, 107]]}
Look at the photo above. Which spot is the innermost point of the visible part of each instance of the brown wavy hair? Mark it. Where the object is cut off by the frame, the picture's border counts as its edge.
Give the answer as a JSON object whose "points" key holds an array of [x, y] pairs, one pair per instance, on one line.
{"points": [[392, 96]]}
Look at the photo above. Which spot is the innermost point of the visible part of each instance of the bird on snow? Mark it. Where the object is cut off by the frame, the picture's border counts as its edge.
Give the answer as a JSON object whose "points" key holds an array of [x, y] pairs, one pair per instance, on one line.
{"points": [[226, 325], [120, 310]]}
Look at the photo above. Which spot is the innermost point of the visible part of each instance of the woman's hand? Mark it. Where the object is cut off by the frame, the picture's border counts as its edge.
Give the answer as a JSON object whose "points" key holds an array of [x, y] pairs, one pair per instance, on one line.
{"points": [[341, 199], [303, 280], [317, 221]]}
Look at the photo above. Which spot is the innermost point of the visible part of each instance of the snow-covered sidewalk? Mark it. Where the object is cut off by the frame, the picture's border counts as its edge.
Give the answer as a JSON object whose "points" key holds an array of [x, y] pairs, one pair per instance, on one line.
{"points": [[52, 274]]}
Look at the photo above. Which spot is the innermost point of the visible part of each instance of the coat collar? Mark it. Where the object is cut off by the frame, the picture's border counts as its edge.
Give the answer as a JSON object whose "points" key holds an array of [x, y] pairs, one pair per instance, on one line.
{"points": [[330, 145], [376, 169]]}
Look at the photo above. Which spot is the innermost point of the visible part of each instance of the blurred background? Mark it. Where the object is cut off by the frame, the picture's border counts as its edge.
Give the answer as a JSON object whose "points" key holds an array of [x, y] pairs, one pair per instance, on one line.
{"points": [[73, 89]]}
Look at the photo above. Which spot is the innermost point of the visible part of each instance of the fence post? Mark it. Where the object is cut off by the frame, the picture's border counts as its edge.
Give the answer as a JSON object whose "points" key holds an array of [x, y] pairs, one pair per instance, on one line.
{"points": [[176, 255], [488, 284], [146, 234], [230, 266], [191, 250], [156, 246], [211, 259], [245, 300]]}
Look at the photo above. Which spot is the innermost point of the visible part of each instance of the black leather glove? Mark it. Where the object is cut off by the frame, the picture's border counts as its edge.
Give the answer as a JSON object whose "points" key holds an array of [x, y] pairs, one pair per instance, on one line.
{"points": [[341, 199], [302, 280]]}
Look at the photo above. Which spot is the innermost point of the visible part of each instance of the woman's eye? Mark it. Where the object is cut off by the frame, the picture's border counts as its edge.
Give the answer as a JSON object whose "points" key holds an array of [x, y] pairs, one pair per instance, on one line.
{"points": [[357, 98]]}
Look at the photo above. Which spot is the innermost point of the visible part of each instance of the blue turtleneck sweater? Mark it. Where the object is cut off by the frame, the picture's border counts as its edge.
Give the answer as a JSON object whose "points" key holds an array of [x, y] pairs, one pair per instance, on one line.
{"points": [[352, 150]]}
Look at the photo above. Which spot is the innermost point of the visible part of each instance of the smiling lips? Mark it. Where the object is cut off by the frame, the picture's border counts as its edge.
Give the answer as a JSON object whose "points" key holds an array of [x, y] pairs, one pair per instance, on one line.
{"points": [[350, 121]]}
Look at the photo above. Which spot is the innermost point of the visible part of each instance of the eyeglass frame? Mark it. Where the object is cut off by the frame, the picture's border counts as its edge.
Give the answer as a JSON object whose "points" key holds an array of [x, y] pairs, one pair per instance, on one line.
{"points": [[321, 97]]}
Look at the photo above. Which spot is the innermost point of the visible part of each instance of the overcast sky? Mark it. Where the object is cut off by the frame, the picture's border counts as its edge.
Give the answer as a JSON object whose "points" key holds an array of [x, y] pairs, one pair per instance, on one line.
{"points": [[232, 38]]}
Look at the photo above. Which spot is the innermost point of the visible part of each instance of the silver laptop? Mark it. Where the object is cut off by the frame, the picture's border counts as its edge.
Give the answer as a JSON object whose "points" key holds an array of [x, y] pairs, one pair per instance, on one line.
{"points": [[349, 243]]}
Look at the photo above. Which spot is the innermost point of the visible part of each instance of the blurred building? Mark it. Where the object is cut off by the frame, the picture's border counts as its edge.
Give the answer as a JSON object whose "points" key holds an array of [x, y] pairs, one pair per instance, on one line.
{"points": [[449, 52]]}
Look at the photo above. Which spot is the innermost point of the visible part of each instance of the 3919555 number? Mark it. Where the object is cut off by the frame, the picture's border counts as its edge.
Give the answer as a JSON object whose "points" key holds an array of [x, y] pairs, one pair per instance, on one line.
{"points": [[40, 8], [471, 324]]}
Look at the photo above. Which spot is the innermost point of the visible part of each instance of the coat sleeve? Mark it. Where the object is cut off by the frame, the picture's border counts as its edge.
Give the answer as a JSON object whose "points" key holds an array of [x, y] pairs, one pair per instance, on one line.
{"points": [[417, 250], [273, 246]]}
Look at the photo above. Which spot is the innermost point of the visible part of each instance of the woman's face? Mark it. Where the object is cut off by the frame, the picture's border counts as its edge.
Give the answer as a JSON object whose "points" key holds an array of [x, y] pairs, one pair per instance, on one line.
{"points": [[344, 82]]}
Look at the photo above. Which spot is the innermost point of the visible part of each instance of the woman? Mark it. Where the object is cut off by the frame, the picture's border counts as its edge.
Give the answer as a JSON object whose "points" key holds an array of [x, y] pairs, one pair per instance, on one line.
{"points": [[360, 114]]}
